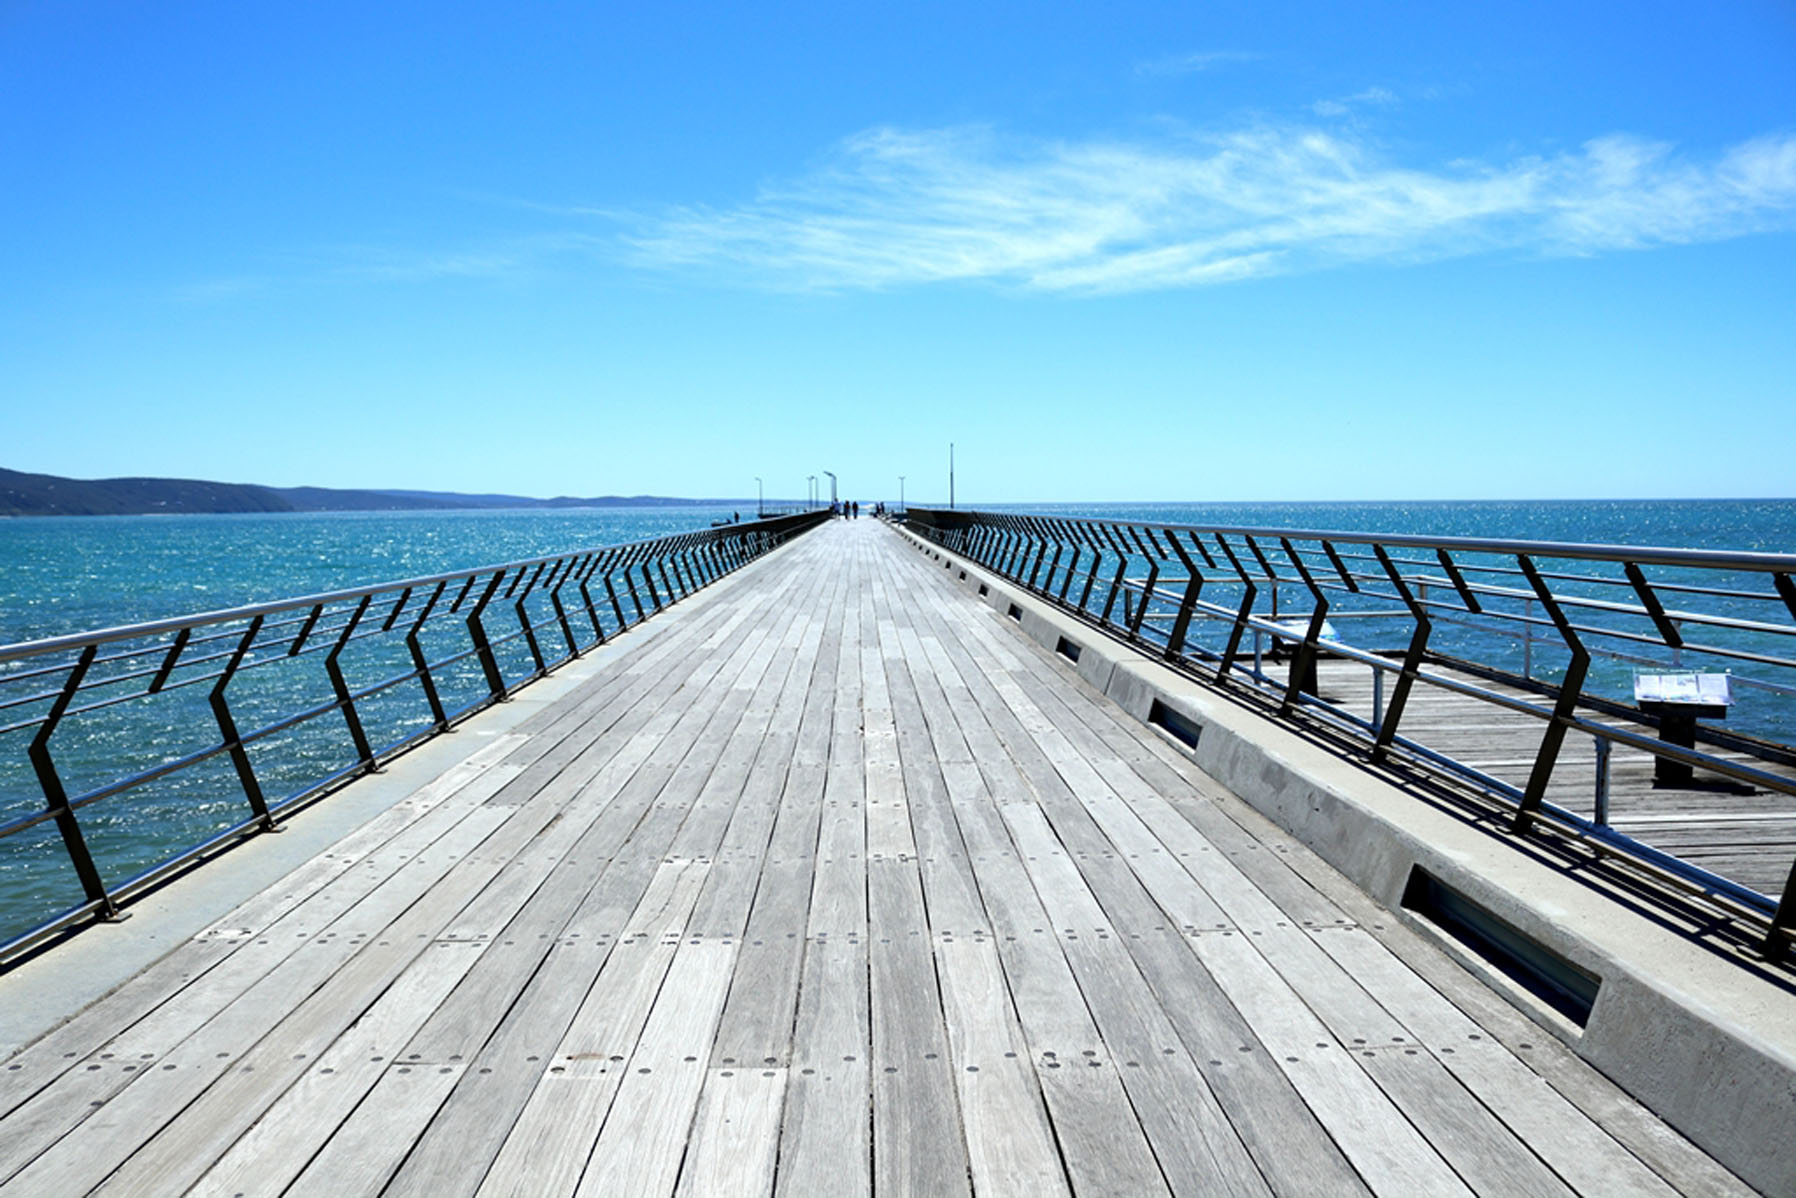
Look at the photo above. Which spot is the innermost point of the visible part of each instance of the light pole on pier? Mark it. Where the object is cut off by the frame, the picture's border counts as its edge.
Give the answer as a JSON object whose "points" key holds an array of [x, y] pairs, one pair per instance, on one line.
{"points": [[832, 487], [901, 492], [810, 493], [760, 502]]}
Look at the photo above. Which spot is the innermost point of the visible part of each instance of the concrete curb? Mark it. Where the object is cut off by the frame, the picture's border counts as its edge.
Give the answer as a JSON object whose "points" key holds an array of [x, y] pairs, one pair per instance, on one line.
{"points": [[1707, 1045]]}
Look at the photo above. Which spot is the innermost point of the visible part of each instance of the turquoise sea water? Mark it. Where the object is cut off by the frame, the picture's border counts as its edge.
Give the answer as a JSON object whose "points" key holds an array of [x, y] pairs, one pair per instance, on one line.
{"points": [[1759, 525], [74, 573], [70, 574]]}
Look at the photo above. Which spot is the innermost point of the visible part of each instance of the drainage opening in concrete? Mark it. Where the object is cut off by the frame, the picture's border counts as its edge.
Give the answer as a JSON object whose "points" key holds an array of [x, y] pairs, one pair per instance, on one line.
{"points": [[1179, 726], [984, 590], [1542, 972], [1067, 649], [963, 576], [1015, 612]]}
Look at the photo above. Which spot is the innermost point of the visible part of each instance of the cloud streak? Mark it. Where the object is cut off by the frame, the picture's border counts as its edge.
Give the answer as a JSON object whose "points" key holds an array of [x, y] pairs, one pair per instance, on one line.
{"points": [[892, 207], [1191, 64], [1372, 96]]}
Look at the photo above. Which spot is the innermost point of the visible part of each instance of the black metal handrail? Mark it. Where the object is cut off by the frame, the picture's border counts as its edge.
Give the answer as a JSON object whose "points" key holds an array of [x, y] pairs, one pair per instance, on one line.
{"points": [[433, 632], [1466, 613]]}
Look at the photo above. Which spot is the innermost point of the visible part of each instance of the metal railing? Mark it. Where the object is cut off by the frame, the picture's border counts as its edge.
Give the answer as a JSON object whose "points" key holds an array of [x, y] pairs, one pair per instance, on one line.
{"points": [[1547, 630], [170, 702]]}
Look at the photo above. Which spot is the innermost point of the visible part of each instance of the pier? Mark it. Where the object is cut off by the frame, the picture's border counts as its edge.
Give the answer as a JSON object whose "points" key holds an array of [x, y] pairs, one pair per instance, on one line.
{"points": [[861, 870]]}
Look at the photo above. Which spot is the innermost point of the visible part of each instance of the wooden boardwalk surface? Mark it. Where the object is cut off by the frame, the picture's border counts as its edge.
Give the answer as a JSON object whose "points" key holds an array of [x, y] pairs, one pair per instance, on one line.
{"points": [[1744, 833], [834, 885]]}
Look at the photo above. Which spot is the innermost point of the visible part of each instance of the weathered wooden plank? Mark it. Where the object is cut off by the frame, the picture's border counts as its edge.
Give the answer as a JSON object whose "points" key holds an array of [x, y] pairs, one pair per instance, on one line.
{"points": [[1287, 1143], [644, 1137], [1110, 873], [279, 1145], [363, 1154], [734, 1138], [130, 1111], [552, 1137], [824, 1138], [1009, 1144], [1100, 1140], [824, 1143], [1197, 1147], [1485, 1154], [913, 1080], [1577, 1150], [757, 1021]]}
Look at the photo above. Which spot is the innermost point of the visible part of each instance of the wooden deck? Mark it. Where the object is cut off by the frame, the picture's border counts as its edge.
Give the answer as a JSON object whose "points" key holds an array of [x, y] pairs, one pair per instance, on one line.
{"points": [[835, 885], [1745, 834]]}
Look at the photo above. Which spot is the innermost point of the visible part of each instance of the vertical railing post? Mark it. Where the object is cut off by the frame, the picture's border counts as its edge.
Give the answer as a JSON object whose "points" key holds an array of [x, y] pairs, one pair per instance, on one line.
{"points": [[1412, 658], [651, 559], [483, 648], [1121, 574], [56, 799], [617, 605], [1147, 584], [1571, 687], [340, 686], [1050, 536], [1013, 559], [592, 611], [1303, 662], [1194, 584], [227, 727], [679, 588], [1248, 594], [567, 627], [524, 623], [1068, 537], [627, 571], [1091, 576], [421, 663]]}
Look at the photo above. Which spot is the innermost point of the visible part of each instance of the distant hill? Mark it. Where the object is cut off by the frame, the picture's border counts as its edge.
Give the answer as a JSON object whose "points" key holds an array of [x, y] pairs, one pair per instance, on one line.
{"points": [[24, 494]]}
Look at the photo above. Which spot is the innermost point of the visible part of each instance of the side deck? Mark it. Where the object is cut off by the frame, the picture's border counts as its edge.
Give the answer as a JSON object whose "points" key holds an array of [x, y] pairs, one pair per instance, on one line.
{"points": [[1739, 832], [837, 884]]}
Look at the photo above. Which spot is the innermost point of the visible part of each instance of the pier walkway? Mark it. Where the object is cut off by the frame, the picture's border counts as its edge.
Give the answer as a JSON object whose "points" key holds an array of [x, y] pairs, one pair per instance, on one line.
{"points": [[830, 882]]}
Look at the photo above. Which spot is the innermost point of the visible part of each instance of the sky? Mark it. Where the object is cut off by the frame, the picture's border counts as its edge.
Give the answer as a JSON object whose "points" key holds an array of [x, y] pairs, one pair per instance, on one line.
{"points": [[1210, 252]]}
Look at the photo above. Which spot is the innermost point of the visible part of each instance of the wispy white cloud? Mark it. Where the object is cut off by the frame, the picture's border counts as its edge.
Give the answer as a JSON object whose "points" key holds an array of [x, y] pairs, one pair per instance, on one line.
{"points": [[1190, 64], [1377, 97], [893, 207]]}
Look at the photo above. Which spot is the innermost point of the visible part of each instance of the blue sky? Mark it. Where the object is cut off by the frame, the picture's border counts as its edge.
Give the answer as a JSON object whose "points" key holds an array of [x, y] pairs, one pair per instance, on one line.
{"points": [[1224, 251]]}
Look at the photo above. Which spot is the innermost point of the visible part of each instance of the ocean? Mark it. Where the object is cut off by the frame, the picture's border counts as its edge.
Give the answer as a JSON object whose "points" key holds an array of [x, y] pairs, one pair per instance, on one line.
{"points": [[69, 574]]}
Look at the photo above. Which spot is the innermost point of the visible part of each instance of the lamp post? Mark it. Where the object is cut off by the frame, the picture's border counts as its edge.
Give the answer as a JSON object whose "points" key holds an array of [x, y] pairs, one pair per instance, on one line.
{"points": [[810, 492], [832, 487], [901, 492], [760, 502]]}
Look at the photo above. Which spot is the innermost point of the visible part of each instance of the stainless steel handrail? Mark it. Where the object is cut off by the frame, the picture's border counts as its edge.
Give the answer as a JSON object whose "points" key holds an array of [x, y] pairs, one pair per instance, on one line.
{"points": [[60, 683], [1163, 584]]}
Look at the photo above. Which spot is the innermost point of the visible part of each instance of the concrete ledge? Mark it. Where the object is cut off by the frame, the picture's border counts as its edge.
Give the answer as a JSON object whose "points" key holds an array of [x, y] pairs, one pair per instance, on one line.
{"points": [[1706, 1043]]}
